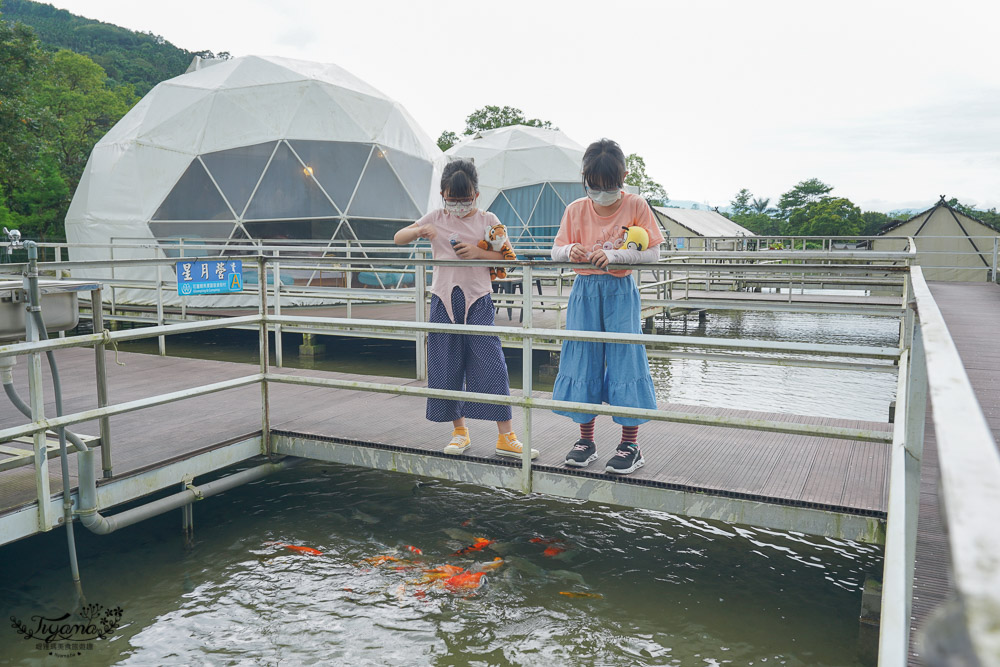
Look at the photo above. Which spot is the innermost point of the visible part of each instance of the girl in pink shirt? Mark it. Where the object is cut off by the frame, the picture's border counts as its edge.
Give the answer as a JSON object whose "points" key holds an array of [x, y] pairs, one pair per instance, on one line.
{"points": [[590, 234], [461, 295]]}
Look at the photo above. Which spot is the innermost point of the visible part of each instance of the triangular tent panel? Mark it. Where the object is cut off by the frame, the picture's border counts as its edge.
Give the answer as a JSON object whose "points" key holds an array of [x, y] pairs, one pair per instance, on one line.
{"points": [[238, 170], [380, 194], [288, 191], [194, 197], [335, 164]]}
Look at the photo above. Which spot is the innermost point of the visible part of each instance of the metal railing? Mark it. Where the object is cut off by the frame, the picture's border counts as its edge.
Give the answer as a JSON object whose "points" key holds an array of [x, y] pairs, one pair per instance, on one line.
{"points": [[927, 364]]}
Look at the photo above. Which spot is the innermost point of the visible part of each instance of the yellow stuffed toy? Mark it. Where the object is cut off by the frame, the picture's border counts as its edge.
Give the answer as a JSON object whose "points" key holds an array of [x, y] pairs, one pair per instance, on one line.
{"points": [[496, 240], [634, 238]]}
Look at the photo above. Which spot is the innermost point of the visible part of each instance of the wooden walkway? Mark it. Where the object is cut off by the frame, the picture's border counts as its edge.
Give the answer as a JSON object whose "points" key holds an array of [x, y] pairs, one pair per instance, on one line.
{"points": [[972, 312], [805, 471]]}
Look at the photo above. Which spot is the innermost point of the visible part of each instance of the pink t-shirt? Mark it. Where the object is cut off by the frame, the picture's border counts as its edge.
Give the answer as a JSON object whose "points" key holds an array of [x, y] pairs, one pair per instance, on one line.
{"points": [[581, 224], [474, 280]]}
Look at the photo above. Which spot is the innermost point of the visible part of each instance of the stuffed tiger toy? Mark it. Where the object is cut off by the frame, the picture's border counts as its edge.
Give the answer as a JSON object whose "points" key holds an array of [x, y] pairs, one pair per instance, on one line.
{"points": [[496, 240]]}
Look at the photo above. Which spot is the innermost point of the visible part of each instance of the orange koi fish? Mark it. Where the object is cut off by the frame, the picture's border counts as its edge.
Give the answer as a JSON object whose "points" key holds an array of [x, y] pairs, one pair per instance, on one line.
{"points": [[553, 551], [380, 560], [481, 543], [305, 550], [465, 580], [545, 540], [494, 564], [440, 572], [413, 549], [575, 594]]}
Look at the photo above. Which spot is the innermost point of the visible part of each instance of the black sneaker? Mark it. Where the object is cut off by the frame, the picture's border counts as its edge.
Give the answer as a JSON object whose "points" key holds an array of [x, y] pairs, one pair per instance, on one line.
{"points": [[626, 459], [583, 452]]}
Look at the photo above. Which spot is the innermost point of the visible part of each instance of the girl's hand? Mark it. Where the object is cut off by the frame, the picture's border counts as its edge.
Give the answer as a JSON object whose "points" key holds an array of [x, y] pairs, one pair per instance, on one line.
{"points": [[599, 259], [426, 232], [466, 251], [577, 253]]}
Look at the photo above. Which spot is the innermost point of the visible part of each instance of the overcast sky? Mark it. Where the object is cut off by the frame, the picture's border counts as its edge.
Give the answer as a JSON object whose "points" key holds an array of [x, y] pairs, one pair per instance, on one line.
{"points": [[893, 103]]}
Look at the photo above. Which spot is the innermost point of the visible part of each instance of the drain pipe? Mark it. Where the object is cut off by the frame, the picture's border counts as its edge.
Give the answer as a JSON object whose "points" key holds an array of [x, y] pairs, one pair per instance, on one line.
{"points": [[92, 519], [7, 380], [35, 311]]}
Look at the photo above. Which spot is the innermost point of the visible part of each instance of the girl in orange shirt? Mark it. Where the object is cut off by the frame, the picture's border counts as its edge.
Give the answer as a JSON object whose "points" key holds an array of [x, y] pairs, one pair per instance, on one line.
{"points": [[590, 233]]}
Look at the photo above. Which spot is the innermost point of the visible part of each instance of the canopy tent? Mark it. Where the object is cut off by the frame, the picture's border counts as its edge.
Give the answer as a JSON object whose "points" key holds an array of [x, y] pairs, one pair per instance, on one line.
{"points": [[253, 148], [527, 177], [950, 245], [681, 225]]}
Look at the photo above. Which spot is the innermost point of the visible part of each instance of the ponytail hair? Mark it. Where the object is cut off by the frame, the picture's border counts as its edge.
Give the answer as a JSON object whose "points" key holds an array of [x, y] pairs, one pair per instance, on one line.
{"points": [[604, 165], [460, 179]]}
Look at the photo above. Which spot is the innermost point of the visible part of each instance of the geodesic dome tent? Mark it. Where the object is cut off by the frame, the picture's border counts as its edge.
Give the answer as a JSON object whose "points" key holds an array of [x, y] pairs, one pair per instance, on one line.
{"points": [[253, 148], [527, 177]]}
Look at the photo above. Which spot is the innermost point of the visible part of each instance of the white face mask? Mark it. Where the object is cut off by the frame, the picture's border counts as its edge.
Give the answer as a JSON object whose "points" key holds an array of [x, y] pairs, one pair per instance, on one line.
{"points": [[459, 210], [603, 197]]}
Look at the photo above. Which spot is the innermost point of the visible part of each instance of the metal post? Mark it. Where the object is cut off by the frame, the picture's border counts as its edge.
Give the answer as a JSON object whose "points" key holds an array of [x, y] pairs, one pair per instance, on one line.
{"points": [[265, 416], [526, 378], [348, 276], [916, 409], [420, 287], [559, 292], [97, 317], [159, 311], [184, 300], [38, 414], [276, 272], [996, 247]]}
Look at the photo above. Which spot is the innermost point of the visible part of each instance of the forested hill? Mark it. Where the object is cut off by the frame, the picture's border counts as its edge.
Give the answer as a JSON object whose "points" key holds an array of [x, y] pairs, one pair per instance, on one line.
{"points": [[139, 58]]}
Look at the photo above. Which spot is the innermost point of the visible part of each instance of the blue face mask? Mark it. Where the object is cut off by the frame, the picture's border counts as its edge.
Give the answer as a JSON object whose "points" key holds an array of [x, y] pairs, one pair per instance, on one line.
{"points": [[603, 197]]}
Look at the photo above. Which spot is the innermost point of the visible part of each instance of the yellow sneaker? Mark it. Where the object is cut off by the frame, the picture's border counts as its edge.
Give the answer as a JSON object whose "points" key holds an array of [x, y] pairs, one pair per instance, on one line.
{"points": [[459, 442], [509, 445]]}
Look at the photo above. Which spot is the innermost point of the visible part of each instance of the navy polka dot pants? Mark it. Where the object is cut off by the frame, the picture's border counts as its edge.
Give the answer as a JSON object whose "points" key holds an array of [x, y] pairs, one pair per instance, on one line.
{"points": [[465, 362]]}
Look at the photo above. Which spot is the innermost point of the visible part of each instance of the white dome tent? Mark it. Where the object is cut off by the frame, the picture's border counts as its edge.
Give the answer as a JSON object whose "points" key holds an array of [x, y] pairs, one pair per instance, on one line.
{"points": [[527, 177], [253, 148]]}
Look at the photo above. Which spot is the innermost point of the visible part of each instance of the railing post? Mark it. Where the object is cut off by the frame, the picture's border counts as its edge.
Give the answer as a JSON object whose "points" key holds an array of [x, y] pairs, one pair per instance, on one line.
{"points": [[97, 318], [184, 300], [526, 378], [420, 293], [162, 340], [996, 247], [37, 400], [265, 412], [348, 275], [276, 272]]}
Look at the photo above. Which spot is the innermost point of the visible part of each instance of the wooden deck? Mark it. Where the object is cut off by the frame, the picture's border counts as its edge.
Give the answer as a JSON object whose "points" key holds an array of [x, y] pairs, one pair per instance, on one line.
{"points": [[972, 312], [805, 471]]}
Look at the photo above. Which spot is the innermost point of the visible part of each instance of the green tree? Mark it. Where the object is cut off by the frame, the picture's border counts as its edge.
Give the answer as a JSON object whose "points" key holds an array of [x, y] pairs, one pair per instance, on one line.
{"points": [[826, 216], [762, 206], [38, 207], [649, 189], [447, 140], [19, 64], [990, 216], [872, 222], [805, 192], [492, 117], [740, 206], [80, 106]]}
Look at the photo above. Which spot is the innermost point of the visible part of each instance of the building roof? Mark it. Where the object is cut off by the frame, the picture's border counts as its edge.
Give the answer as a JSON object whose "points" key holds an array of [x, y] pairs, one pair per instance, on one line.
{"points": [[929, 212], [703, 223]]}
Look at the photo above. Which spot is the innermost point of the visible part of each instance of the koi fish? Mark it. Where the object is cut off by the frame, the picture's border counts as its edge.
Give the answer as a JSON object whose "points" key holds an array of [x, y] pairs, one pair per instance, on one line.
{"points": [[380, 560], [413, 549], [466, 523], [575, 594], [465, 580], [494, 564], [440, 572], [305, 550], [545, 540], [481, 543], [553, 551]]}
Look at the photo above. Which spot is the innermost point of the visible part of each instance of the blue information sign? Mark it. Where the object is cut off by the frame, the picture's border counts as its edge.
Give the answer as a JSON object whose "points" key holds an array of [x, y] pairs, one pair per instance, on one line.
{"points": [[213, 277]]}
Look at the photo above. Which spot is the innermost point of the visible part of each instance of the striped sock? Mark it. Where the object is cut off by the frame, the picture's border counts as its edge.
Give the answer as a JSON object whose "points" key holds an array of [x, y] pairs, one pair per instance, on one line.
{"points": [[630, 434], [587, 430]]}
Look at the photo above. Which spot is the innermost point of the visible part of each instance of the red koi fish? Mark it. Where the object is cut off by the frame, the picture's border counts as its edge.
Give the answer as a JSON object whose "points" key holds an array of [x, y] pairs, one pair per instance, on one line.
{"points": [[481, 543], [467, 523], [465, 581], [305, 550], [413, 550], [553, 551], [545, 540]]}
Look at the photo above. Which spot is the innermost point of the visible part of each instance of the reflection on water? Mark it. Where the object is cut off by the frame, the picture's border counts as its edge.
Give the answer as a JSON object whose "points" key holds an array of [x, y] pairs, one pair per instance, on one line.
{"points": [[673, 590]]}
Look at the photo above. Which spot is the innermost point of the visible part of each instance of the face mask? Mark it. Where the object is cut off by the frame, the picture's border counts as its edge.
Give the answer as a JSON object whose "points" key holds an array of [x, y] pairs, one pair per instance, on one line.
{"points": [[603, 197], [459, 210]]}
